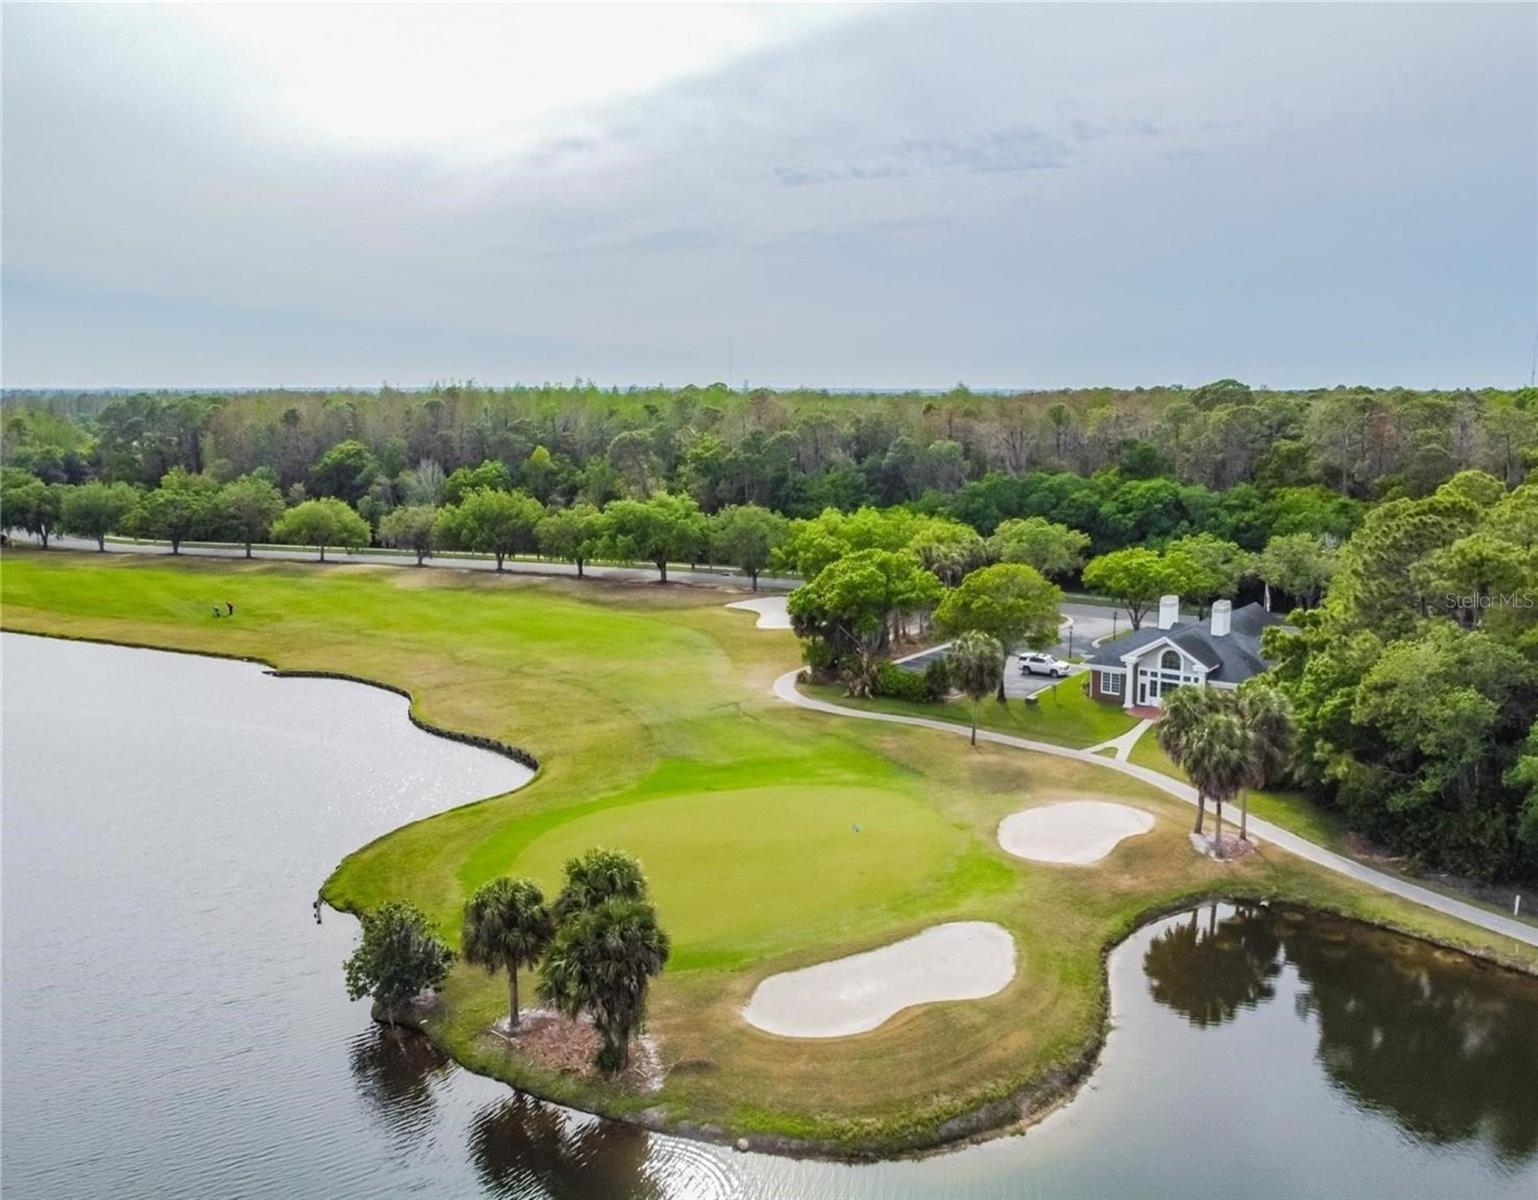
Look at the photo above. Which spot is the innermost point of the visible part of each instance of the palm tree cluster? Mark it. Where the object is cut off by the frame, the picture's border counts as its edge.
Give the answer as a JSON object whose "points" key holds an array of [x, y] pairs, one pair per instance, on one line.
{"points": [[599, 942], [1227, 741]]}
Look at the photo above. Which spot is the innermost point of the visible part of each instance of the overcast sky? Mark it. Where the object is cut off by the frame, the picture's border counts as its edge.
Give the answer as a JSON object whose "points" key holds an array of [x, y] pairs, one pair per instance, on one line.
{"points": [[881, 196]]}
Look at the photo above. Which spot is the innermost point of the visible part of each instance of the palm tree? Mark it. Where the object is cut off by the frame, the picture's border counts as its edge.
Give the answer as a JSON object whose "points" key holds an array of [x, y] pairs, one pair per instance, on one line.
{"points": [[597, 876], [1219, 760], [601, 963], [1267, 716], [1185, 709], [976, 663], [506, 928]]}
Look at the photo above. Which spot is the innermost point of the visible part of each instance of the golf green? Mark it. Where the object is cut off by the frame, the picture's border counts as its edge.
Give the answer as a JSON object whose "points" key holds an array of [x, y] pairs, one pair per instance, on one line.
{"points": [[734, 872]]}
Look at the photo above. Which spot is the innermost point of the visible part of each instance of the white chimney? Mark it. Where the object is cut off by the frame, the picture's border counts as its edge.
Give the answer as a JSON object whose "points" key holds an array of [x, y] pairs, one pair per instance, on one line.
{"points": [[1169, 611], [1222, 613]]}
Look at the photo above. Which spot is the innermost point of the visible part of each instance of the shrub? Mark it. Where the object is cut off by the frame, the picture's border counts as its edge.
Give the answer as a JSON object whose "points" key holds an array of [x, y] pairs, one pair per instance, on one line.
{"points": [[893, 681], [820, 658], [937, 678]]}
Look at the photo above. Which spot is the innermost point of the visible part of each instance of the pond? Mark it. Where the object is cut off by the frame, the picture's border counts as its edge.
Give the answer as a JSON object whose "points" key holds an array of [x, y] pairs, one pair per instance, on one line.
{"points": [[174, 1022]]}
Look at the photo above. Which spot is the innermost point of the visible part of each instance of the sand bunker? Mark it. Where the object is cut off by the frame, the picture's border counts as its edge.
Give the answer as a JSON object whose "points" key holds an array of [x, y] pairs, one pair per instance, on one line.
{"points": [[1076, 831], [770, 609], [961, 960]]}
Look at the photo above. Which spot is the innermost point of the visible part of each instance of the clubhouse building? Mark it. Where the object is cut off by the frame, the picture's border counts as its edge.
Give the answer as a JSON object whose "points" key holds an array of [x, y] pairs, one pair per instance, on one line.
{"points": [[1136, 671]]}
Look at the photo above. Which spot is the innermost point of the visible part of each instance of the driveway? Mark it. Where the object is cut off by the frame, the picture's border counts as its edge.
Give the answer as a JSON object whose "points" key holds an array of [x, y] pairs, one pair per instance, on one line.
{"points": [[1016, 685], [1091, 622]]}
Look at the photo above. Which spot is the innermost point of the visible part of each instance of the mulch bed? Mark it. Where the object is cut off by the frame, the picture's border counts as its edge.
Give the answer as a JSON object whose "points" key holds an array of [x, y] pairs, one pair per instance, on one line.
{"points": [[558, 1043], [1232, 848]]}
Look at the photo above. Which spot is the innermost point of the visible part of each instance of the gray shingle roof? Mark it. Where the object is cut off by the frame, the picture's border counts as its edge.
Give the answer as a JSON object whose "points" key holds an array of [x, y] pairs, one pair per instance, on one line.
{"points": [[1231, 659]]}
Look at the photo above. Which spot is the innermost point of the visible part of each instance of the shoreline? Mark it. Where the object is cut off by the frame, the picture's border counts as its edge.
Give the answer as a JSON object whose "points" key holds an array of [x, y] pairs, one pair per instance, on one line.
{"points": [[1021, 1105], [1013, 1114]]}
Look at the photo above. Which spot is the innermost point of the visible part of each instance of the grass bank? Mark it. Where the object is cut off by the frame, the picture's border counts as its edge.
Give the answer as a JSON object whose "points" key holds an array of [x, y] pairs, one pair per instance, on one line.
{"points": [[649, 711], [1062, 714]]}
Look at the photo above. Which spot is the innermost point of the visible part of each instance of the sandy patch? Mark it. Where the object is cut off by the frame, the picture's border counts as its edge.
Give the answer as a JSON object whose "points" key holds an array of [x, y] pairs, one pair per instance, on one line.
{"points": [[1076, 831], [770, 609], [960, 960]]}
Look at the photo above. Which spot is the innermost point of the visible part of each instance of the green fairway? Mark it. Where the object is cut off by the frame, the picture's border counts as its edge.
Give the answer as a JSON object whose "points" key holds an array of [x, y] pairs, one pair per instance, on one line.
{"points": [[773, 837]]}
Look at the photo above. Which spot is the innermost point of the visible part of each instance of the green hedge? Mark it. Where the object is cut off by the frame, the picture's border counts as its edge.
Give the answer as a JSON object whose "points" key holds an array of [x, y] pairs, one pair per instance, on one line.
{"points": [[893, 681]]}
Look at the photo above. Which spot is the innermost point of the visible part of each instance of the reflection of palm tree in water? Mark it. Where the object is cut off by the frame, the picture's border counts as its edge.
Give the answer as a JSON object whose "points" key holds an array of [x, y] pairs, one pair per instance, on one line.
{"points": [[523, 1147], [1208, 974], [1447, 1048]]}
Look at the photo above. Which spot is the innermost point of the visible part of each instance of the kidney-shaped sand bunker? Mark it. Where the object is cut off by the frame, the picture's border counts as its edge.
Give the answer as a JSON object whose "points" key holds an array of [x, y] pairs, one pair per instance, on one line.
{"points": [[771, 610], [960, 960], [1076, 831]]}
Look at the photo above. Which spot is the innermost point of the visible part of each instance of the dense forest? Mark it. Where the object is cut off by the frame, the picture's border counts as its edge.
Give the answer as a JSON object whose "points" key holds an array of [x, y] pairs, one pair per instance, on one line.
{"points": [[795, 452], [1401, 525]]}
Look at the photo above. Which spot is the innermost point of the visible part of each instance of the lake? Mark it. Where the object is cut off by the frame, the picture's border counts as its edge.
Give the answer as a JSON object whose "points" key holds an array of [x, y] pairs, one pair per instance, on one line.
{"points": [[174, 1021]]}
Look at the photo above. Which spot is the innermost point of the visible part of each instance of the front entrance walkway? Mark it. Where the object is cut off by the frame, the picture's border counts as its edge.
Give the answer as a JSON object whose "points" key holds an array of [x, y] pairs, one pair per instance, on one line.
{"points": [[1122, 746]]}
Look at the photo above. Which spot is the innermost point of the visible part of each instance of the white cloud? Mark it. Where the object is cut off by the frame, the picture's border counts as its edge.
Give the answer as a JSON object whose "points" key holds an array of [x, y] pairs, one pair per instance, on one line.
{"points": [[463, 80], [1010, 195]]}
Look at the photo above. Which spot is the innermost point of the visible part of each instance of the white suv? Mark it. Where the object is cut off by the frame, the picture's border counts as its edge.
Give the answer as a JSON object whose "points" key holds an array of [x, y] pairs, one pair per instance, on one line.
{"points": [[1042, 664]]}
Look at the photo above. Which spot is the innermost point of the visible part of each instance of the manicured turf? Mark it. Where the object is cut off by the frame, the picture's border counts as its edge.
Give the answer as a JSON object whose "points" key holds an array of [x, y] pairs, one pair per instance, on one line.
{"points": [[825, 859], [1063, 713], [650, 711]]}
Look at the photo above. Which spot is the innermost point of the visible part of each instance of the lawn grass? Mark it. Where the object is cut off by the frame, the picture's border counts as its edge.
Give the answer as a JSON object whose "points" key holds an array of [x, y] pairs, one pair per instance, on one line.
{"points": [[1063, 714], [650, 712], [1292, 811]]}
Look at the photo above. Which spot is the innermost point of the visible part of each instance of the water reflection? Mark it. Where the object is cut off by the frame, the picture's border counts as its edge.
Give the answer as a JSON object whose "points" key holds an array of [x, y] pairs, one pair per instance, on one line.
{"points": [[1207, 970], [1400, 1030], [1403, 1033], [395, 1070], [521, 1147]]}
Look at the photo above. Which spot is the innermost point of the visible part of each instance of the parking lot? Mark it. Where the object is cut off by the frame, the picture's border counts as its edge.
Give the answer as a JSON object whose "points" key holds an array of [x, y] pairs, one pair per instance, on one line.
{"points": [[1089, 622]]}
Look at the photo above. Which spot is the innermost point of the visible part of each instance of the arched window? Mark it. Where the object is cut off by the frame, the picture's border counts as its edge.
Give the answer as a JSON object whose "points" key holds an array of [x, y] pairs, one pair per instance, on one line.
{"points": [[1169, 661]]}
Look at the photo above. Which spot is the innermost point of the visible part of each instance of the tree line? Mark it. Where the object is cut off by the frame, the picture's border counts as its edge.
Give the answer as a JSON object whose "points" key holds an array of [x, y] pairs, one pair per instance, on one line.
{"points": [[250, 511], [1415, 682], [480, 510], [795, 452]]}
